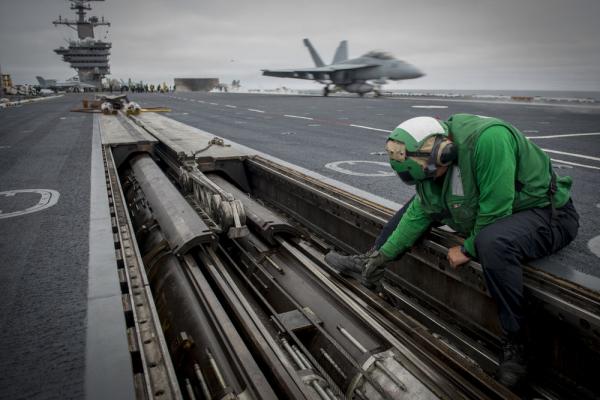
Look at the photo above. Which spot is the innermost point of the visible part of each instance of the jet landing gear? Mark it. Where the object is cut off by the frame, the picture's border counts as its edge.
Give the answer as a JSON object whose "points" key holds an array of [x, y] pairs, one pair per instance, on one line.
{"points": [[326, 91]]}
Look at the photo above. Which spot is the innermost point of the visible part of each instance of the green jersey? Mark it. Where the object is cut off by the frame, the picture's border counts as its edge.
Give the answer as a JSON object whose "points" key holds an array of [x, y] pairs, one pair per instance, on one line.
{"points": [[498, 172]]}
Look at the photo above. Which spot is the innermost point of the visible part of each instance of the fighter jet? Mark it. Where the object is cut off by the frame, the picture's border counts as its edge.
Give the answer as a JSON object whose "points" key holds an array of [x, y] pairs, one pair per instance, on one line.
{"points": [[71, 83], [358, 75]]}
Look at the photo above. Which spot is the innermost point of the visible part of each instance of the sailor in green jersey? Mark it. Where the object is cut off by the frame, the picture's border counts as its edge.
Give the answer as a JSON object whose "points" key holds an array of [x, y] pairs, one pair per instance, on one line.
{"points": [[483, 178]]}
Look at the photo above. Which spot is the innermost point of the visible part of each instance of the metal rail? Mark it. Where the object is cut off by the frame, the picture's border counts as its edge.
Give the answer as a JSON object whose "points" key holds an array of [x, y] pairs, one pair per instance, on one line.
{"points": [[211, 358], [156, 375]]}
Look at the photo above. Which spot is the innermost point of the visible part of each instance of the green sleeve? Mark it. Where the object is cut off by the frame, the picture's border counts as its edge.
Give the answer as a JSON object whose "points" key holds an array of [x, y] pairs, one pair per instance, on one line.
{"points": [[495, 168], [411, 226]]}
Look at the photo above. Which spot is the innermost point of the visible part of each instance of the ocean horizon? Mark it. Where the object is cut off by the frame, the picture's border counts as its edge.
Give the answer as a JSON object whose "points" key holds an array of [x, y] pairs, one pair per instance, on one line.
{"points": [[562, 94]]}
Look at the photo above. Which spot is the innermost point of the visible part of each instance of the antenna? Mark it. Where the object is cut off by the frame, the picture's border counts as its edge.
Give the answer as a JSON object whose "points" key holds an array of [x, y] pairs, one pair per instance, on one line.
{"points": [[84, 27]]}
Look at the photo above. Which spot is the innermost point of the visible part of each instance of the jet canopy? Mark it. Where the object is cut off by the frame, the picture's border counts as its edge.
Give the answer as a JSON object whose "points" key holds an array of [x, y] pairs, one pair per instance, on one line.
{"points": [[380, 55]]}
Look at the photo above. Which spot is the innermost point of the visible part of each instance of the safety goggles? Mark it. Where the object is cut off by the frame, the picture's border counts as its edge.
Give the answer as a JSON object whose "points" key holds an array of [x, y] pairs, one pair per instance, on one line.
{"points": [[397, 151]]}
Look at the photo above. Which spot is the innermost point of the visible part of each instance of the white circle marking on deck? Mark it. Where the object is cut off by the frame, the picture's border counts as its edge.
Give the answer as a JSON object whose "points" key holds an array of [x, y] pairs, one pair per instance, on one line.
{"points": [[336, 167], [48, 198], [594, 246]]}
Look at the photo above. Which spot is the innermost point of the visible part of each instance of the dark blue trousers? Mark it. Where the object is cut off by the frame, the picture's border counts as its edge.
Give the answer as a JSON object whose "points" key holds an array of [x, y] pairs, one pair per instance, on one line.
{"points": [[505, 244]]}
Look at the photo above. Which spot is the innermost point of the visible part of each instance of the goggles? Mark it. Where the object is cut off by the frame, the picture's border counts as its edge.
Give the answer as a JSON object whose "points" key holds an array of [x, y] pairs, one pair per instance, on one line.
{"points": [[410, 166]]}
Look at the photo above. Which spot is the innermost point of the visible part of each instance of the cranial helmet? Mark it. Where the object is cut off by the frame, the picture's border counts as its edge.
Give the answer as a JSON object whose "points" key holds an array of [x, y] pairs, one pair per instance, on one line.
{"points": [[418, 147]]}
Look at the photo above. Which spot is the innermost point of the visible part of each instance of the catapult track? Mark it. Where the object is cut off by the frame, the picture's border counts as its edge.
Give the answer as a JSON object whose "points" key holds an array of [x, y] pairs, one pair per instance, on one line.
{"points": [[232, 245]]}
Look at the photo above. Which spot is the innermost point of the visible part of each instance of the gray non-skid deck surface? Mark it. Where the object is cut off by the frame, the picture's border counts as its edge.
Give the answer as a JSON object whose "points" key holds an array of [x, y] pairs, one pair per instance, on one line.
{"points": [[115, 130], [44, 255], [270, 123], [183, 138]]}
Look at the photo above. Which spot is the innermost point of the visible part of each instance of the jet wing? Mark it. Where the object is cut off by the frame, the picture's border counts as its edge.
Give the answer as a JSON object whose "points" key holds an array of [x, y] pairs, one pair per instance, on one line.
{"points": [[318, 73]]}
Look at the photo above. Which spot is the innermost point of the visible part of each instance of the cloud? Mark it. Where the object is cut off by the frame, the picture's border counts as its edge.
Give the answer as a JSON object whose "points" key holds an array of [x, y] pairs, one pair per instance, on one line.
{"points": [[537, 44]]}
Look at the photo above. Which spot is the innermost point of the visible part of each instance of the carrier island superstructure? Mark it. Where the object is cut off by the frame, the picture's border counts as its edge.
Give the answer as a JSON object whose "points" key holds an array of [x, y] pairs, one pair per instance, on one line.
{"points": [[86, 54]]}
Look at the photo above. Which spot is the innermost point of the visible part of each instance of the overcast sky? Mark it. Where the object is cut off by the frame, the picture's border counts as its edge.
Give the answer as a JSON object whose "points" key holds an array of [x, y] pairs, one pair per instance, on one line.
{"points": [[459, 44]]}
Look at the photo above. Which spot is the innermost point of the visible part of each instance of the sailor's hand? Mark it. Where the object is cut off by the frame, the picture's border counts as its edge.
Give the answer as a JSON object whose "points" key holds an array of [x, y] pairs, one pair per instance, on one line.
{"points": [[456, 257], [376, 259]]}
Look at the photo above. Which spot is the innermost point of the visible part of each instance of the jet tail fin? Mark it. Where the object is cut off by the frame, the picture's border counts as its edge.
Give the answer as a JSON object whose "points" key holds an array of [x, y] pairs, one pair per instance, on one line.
{"points": [[313, 53], [41, 81], [341, 54]]}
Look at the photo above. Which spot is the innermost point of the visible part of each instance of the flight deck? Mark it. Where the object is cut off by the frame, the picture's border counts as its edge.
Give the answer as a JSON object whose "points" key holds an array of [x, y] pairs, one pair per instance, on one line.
{"points": [[343, 138], [122, 236]]}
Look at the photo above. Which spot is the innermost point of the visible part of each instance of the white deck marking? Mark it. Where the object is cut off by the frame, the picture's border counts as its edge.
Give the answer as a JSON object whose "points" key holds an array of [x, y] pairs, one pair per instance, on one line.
{"points": [[429, 106], [230, 106], [575, 164], [370, 128], [297, 116], [336, 167], [201, 101], [48, 198], [314, 124], [255, 110], [512, 103], [594, 246], [104, 325], [564, 135], [214, 104], [572, 154]]}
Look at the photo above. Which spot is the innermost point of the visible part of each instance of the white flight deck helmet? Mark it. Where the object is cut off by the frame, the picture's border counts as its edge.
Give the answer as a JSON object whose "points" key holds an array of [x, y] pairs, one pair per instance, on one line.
{"points": [[418, 147]]}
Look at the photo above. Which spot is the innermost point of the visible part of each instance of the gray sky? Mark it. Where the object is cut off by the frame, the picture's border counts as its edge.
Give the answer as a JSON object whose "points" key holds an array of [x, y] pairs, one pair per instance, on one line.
{"points": [[460, 44]]}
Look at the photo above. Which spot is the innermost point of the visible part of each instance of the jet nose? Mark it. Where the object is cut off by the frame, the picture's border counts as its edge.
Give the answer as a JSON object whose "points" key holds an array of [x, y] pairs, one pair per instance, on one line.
{"points": [[417, 73]]}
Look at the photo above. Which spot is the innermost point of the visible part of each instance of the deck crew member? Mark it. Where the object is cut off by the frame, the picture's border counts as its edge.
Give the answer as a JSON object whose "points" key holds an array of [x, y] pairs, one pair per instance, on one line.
{"points": [[484, 179]]}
